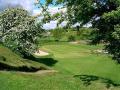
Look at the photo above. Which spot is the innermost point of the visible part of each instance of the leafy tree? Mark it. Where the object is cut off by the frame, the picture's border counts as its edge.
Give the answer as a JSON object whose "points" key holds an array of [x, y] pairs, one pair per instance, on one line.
{"points": [[104, 16], [18, 31]]}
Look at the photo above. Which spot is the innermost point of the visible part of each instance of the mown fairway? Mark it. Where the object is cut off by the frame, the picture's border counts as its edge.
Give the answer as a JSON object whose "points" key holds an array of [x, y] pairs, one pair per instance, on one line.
{"points": [[78, 69]]}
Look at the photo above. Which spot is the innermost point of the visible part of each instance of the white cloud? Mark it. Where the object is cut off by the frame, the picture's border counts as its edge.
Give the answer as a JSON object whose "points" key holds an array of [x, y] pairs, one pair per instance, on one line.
{"points": [[52, 10], [76, 24], [51, 25], [26, 4], [64, 23], [88, 25], [36, 11], [29, 5], [56, 9]]}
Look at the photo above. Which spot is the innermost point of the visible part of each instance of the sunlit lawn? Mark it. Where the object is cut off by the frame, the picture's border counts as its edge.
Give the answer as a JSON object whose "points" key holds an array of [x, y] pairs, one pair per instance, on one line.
{"points": [[78, 69]]}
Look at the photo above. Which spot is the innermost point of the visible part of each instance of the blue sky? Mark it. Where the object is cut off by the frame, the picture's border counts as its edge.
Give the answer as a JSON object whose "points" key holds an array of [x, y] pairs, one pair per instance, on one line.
{"points": [[42, 1]]}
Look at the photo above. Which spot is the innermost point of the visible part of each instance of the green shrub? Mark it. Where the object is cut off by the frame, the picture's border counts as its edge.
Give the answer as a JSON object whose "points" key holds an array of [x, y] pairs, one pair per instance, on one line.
{"points": [[85, 33], [2, 58], [57, 33], [71, 38]]}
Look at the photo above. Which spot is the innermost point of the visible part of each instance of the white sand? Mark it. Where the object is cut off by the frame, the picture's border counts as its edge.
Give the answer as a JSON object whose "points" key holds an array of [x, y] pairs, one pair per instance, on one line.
{"points": [[41, 53], [101, 51], [75, 42]]}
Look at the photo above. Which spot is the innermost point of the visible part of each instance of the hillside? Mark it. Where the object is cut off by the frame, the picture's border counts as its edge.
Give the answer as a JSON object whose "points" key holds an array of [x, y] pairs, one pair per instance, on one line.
{"points": [[11, 61]]}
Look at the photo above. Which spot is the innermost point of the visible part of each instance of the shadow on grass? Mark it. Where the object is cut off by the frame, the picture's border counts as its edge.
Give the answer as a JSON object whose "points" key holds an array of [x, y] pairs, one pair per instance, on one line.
{"points": [[7, 67], [24, 68], [44, 60], [88, 79]]}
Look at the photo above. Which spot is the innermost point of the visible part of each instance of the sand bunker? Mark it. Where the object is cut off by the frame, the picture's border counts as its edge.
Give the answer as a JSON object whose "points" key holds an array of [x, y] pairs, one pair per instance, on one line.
{"points": [[41, 53], [100, 51]]}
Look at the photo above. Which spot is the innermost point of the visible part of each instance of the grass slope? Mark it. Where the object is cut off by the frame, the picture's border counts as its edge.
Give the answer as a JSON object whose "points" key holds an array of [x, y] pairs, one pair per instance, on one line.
{"points": [[10, 60], [79, 69]]}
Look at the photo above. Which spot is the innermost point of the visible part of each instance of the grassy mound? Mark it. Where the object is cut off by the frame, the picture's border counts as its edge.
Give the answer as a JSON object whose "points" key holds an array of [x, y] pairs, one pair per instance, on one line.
{"points": [[11, 61]]}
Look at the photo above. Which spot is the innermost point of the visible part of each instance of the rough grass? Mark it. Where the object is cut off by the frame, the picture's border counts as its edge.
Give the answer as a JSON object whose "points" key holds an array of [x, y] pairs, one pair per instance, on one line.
{"points": [[78, 69], [11, 61]]}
